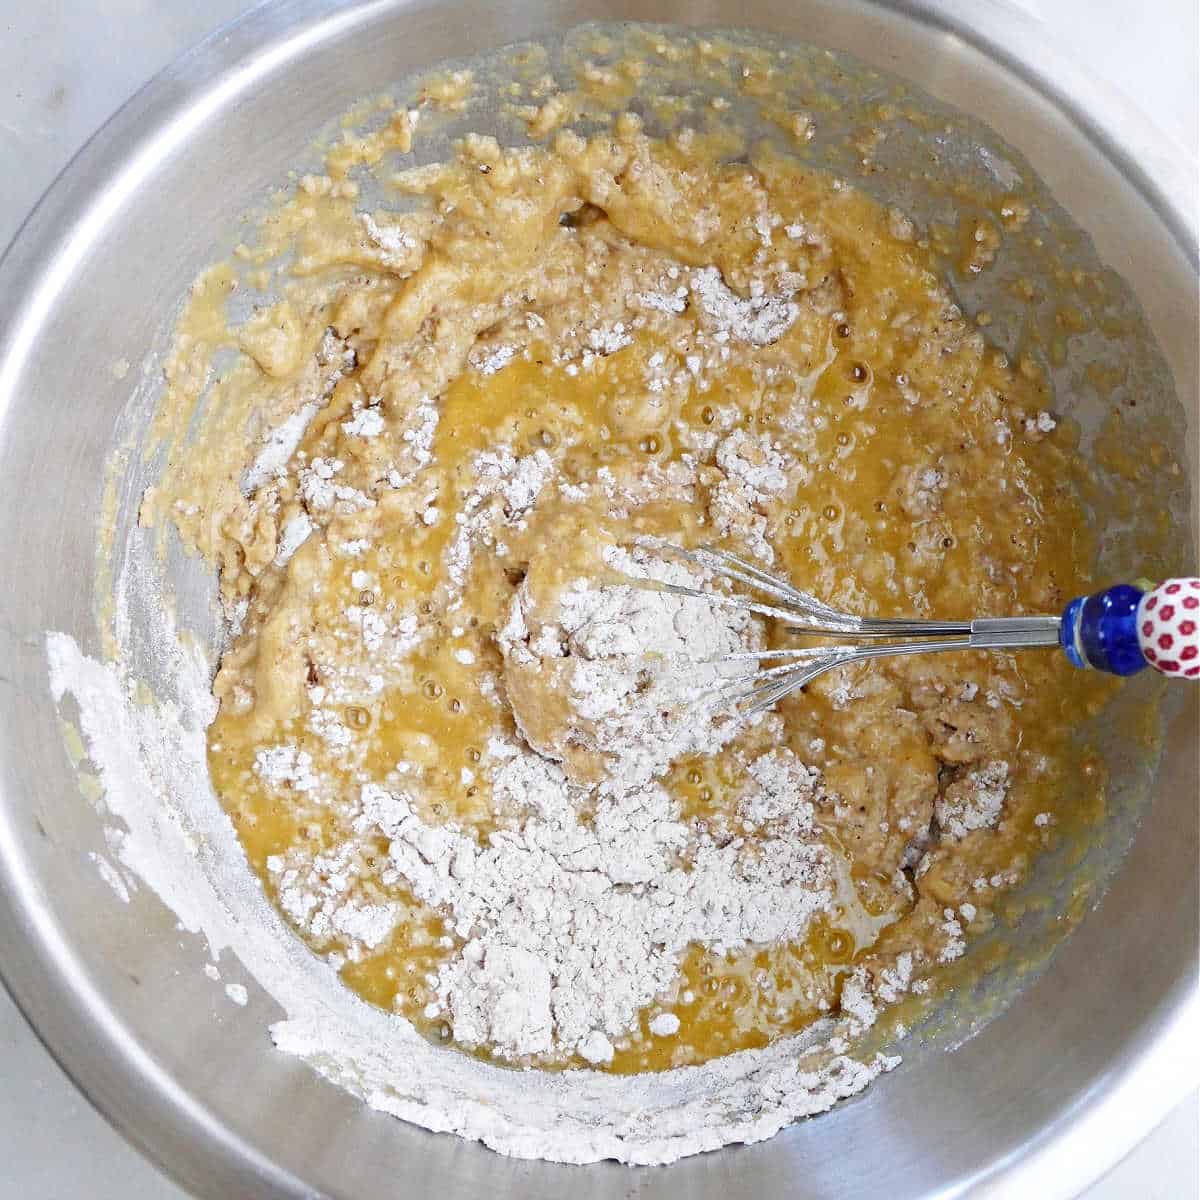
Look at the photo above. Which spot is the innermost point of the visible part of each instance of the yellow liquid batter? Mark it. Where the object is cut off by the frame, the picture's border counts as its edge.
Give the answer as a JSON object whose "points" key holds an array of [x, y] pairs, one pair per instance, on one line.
{"points": [[919, 482], [1004, 534]]}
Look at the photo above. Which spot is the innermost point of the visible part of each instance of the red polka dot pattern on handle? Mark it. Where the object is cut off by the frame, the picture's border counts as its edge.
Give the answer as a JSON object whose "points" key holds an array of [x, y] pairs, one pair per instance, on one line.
{"points": [[1171, 625]]}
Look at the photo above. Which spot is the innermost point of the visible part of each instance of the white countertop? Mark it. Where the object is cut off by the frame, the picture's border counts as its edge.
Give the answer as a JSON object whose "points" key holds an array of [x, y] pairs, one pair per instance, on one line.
{"points": [[65, 66]]}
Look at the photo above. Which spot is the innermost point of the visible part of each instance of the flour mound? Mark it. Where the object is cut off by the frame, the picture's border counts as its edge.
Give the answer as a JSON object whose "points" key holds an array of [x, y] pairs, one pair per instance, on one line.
{"points": [[573, 927], [175, 839], [578, 918], [622, 680], [759, 319]]}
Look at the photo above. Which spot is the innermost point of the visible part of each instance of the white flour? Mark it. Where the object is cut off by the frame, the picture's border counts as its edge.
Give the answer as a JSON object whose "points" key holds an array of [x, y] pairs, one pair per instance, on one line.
{"points": [[506, 488], [397, 246], [285, 765], [522, 984], [179, 842], [758, 319], [575, 927], [572, 918], [644, 678], [974, 802], [754, 473], [571, 927]]}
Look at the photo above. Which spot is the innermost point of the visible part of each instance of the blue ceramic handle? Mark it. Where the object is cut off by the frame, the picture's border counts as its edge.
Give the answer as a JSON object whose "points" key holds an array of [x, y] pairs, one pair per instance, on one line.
{"points": [[1127, 628], [1100, 632]]}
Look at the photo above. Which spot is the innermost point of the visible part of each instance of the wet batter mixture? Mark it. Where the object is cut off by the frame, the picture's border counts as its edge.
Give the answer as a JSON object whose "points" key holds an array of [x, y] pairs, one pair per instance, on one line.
{"points": [[469, 744]]}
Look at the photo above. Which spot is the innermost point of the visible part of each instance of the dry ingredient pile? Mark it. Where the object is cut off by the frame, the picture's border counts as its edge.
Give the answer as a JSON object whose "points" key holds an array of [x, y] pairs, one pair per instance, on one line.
{"points": [[470, 744]]}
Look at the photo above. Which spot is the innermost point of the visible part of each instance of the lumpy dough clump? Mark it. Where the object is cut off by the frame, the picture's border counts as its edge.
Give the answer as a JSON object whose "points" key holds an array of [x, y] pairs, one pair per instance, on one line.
{"points": [[479, 751]]}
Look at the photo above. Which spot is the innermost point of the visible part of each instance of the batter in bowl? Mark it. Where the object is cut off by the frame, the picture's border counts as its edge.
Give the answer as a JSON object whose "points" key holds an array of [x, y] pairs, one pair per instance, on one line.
{"points": [[465, 746]]}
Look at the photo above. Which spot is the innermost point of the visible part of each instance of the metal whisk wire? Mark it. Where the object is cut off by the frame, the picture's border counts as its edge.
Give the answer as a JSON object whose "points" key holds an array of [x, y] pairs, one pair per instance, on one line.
{"points": [[802, 613]]}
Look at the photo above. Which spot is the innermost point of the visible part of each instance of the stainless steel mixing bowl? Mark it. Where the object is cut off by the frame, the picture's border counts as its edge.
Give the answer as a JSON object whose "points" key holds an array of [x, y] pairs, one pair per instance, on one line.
{"points": [[1039, 1102]]}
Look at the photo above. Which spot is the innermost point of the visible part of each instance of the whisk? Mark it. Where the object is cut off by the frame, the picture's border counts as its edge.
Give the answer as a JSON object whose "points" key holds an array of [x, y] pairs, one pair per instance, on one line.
{"points": [[1120, 630]]}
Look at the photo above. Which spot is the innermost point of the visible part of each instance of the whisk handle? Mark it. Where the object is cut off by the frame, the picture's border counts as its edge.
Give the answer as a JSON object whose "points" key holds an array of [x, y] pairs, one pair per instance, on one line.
{"points": [[1125, 628]]}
